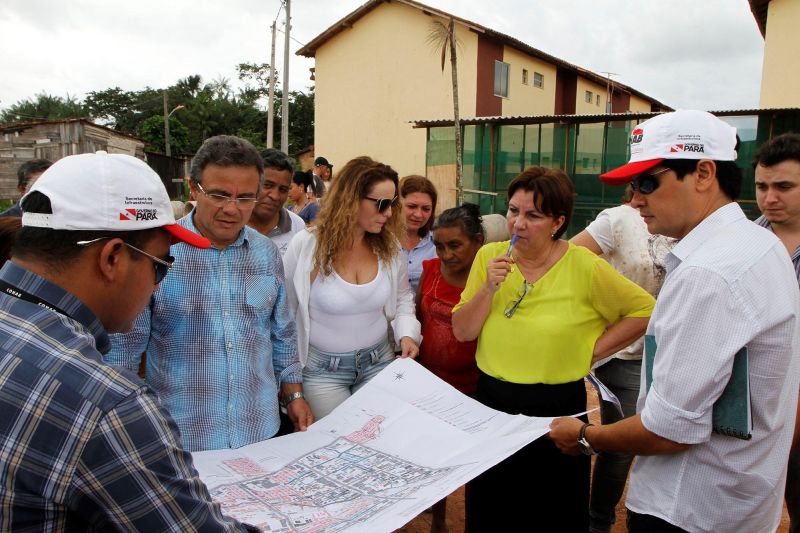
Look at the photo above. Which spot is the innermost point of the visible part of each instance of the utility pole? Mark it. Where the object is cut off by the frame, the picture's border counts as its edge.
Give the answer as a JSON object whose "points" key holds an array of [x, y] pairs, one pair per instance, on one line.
{"points": [[167, 148], [285, 100], [271, 108], [609, 90]]}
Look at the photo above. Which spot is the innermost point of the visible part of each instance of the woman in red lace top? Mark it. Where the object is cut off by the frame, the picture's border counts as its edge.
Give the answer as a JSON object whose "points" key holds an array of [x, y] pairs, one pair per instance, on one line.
{"points": [[457, 236]]}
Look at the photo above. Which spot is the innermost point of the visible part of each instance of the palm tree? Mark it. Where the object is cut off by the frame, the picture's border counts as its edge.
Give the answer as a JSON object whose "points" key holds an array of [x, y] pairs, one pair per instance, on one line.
{"points": [[443, 37]]}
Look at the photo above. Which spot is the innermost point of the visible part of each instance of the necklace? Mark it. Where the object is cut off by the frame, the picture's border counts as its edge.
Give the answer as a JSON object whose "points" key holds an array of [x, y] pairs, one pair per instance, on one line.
{"points": [[545, 266]]}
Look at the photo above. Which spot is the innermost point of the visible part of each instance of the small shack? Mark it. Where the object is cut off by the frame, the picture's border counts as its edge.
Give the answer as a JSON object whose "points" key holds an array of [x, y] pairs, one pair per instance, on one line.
{"points": [[54, 139]]}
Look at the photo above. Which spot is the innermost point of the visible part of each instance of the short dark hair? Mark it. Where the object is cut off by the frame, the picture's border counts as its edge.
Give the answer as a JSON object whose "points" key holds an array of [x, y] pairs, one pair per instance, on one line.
{"points": [[9, 226], [277, 160], [225, 151], [59, 248], [467, 216], [729, 175], [303, 178], [30, 167], [414, 183], [552, 190], [777, 150]]}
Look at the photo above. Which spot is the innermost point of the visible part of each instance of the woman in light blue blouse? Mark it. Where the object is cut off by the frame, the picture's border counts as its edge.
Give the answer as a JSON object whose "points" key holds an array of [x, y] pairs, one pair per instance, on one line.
{"points": [[418, 196]]}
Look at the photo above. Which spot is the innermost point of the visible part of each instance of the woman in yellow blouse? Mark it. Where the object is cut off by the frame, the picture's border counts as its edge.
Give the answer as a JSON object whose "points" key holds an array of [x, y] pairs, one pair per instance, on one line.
{"points": [[542, 310]]}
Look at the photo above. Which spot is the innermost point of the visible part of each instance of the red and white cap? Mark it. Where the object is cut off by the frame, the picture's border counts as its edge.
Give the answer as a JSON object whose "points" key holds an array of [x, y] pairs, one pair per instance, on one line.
{"points": [[682, 134], [106, 192]]}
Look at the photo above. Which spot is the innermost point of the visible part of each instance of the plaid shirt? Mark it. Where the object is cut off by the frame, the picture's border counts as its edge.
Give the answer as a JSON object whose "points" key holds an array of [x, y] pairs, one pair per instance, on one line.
{"points": [[219, 340], [764, 223], [84, 446]]}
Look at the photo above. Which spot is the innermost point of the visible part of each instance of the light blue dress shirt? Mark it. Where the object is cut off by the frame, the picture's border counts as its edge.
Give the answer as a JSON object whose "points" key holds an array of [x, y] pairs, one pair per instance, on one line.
{"points": [[219, 341], [422, 251]]}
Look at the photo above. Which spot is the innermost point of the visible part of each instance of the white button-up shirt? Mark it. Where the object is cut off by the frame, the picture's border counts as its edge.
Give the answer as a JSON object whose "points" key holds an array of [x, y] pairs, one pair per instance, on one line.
{"points": [[729, 284]]}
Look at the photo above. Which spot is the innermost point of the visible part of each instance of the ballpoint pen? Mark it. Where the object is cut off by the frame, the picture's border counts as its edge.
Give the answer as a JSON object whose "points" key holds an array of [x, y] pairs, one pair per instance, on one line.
{"points": [[510, 249]]}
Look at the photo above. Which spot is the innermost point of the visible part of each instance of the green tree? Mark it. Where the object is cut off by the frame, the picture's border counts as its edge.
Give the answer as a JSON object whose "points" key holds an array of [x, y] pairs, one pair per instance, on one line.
{"points": [[152, 133], [43, 107]]}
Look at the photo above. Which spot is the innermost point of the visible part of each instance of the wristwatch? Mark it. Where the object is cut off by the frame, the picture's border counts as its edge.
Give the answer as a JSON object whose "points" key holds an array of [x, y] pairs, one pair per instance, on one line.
{"points": [[289, 398], [583, 444]]}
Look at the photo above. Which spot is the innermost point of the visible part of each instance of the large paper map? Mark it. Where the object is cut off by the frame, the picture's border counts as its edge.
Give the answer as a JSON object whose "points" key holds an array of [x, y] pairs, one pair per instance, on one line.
{"points": [[401, 443]]}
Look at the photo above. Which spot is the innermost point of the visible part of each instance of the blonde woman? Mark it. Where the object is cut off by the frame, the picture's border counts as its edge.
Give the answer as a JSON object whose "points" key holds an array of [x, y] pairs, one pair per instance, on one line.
{"points": [[347, 282]]}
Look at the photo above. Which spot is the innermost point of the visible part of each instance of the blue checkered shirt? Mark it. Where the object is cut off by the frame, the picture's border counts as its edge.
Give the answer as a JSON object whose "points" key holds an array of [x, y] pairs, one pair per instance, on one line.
{"points": [[219, 340], [84, 446], [764, 223]]}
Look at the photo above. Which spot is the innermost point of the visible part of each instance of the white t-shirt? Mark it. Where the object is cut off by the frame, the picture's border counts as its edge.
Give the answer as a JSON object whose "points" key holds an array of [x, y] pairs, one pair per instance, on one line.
{"points": [[633, 252], [288, 225], [345, 316], [729, 284]]}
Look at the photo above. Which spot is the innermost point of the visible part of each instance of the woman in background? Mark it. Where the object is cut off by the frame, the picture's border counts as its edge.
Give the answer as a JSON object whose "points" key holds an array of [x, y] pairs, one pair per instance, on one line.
{"points": [[347, 283], [457, 236], [418, 196]]}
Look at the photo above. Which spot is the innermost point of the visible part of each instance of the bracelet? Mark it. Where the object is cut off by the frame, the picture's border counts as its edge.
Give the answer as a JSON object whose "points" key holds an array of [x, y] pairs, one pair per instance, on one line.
{"points": [[289, 398]]}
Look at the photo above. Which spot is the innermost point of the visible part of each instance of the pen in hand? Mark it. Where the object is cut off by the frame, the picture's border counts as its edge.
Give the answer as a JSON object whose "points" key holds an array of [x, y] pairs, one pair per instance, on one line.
{"points": [[510, 249]]}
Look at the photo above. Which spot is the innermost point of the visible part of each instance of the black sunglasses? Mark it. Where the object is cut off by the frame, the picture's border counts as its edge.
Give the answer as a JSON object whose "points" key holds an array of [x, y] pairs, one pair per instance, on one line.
{"points": [[161, 266], [647, 183], [382, 203]]}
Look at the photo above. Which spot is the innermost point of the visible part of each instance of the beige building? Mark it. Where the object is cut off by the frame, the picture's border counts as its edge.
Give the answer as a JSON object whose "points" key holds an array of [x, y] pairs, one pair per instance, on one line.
{"points": [[778, 21], [376, 71]]}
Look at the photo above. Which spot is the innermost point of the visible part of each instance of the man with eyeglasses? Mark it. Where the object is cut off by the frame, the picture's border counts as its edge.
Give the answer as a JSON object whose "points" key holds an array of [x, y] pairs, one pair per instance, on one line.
{"points": [[88, 446], [219, 340], [708, 461], [269, 216]]}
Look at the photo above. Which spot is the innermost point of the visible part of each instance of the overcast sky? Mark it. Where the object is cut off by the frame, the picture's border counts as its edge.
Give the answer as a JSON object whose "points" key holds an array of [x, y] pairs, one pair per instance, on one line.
{"points": [[704, 54]]}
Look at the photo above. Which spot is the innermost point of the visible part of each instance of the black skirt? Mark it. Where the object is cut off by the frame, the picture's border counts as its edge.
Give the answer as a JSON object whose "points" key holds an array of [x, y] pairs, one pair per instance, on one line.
{"points": [[538, 486]]}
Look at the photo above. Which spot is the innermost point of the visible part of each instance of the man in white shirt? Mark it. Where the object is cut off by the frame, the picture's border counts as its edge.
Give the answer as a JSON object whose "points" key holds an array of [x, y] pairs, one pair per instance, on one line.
{"points": [[620, 235], [777, 167], [714, 303], [269, 216]]}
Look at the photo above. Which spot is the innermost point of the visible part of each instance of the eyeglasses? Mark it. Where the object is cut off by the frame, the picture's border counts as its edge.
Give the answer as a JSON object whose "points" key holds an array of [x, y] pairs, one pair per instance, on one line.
{"points": [[221, 200], [647, 183], [511, 308], [270, 185], [161, 266], [383, 203]]}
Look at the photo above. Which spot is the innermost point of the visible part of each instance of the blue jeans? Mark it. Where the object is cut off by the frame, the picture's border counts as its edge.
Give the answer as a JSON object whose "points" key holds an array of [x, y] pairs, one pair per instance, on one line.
{"points": [[330, 378], [611, 469]]}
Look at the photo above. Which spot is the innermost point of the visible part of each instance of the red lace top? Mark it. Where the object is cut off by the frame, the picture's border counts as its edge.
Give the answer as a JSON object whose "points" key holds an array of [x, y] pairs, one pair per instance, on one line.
{"points": [[440, 352]]}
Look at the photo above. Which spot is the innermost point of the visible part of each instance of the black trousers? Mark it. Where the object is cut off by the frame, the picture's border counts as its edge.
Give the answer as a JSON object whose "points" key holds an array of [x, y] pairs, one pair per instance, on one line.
{"points": [[538, 486]]}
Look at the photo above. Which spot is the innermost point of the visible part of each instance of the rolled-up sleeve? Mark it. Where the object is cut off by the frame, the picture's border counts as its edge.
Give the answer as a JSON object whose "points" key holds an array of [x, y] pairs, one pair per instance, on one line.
{"points": [[707, 324]]}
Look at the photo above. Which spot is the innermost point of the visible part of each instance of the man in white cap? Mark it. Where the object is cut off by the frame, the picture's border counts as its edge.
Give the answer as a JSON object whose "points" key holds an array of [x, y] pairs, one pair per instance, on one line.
{"points": [[720, 373], [87, 446]]}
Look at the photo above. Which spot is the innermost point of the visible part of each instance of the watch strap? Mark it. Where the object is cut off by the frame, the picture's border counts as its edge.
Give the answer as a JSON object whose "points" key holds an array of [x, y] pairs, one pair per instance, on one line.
{"points": [[289, 398]]}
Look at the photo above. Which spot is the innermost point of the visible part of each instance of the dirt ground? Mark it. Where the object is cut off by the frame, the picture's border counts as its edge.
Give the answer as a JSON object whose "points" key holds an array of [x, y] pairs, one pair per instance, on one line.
{"points": [[455, 502]]}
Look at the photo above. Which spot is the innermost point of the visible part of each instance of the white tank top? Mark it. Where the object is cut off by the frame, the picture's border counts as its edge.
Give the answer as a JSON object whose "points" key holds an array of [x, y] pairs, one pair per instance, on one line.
{"points": [[347, 317]]}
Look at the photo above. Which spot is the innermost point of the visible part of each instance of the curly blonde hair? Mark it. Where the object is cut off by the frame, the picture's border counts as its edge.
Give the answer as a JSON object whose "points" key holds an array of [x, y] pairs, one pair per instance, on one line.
{"points": [[336, 221]]}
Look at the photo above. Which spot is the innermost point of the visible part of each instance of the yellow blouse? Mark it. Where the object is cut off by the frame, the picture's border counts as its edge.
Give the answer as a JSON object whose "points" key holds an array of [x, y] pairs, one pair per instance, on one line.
{"points": [[551, 336]]}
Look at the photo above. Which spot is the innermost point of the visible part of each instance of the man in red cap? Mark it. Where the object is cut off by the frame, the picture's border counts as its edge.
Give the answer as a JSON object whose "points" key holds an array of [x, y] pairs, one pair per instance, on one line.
{"points": [[87, 446], [720, 375]]}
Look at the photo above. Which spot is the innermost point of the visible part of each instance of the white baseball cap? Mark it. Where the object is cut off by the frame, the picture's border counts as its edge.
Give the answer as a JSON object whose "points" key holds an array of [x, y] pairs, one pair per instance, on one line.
{"points": [[682, 134], [106, 192]]}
